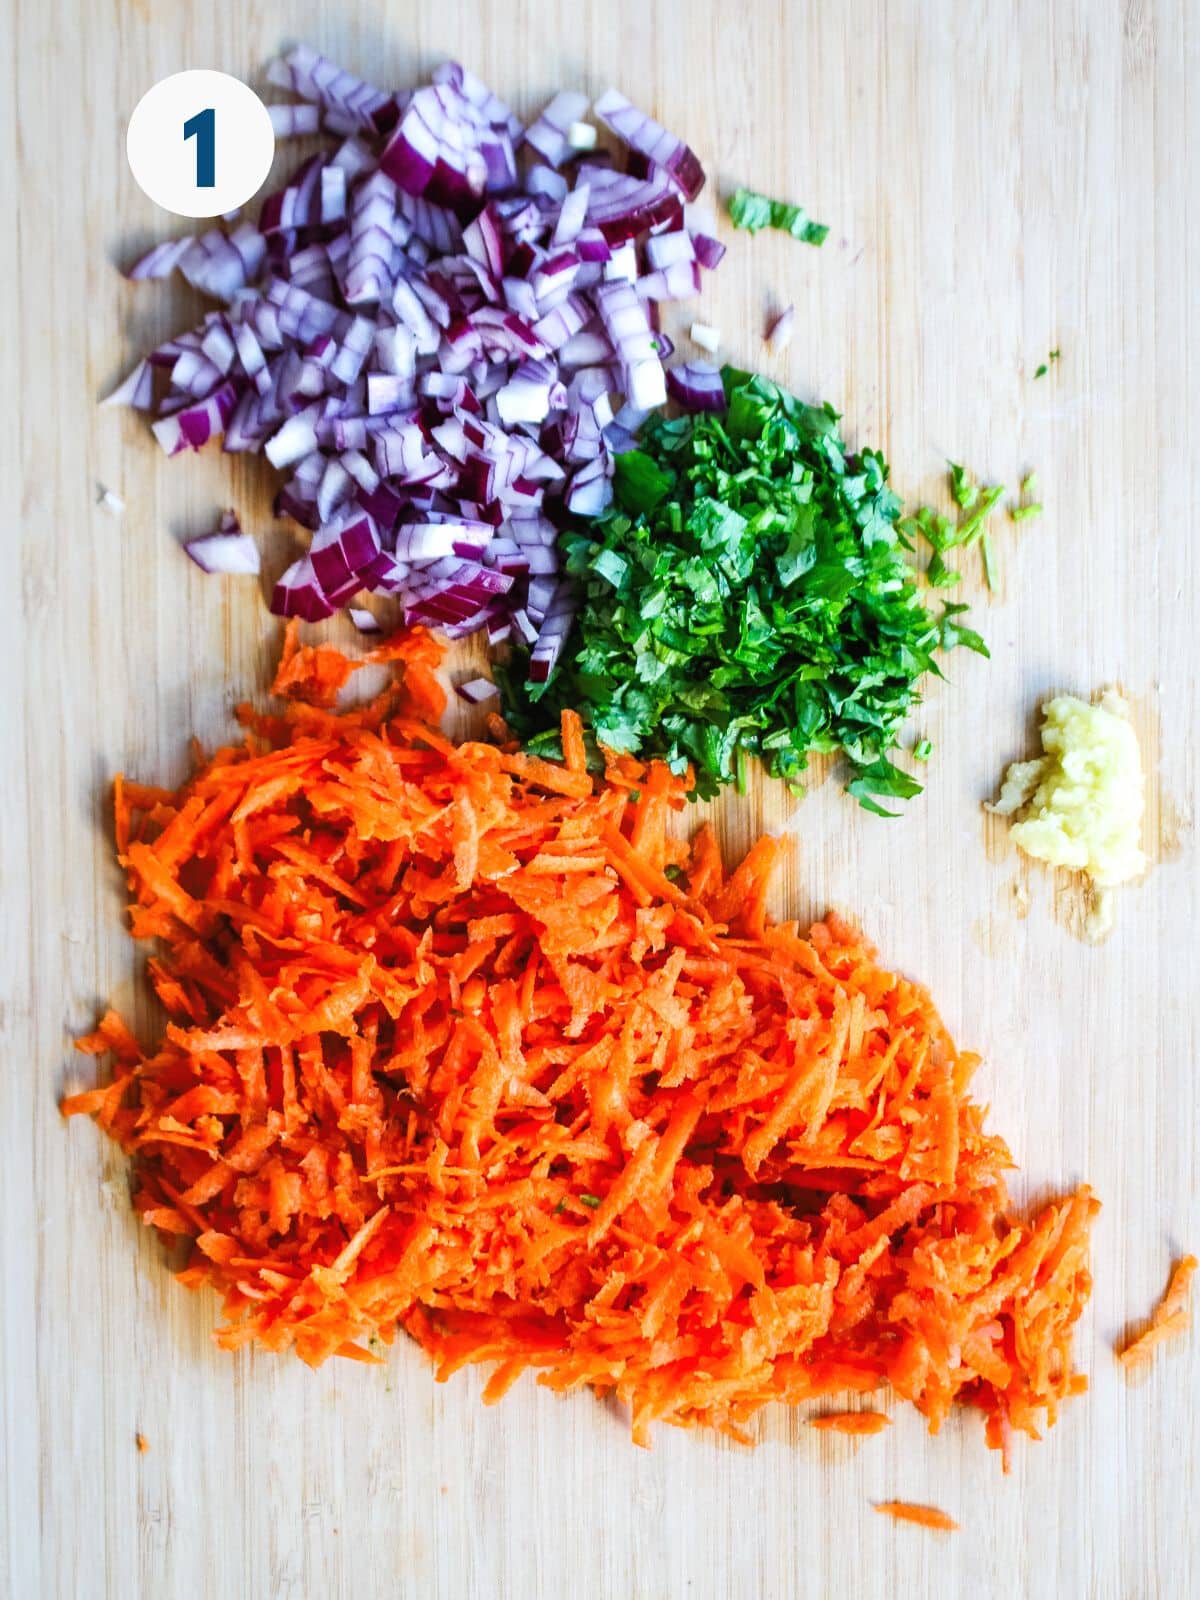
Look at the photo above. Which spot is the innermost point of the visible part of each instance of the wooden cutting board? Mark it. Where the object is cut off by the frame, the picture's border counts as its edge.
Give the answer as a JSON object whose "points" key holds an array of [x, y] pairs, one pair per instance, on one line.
{"points": [[1000, 179]]}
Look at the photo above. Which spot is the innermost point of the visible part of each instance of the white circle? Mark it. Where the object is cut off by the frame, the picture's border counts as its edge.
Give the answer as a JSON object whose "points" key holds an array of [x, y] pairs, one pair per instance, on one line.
{"points": [[168, 163]]}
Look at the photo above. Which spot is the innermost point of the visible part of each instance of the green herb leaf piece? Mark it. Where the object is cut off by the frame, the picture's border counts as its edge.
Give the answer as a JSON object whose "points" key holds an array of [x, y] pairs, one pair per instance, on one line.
{"points": [[985, 550], [753, 211], [963, 490]]}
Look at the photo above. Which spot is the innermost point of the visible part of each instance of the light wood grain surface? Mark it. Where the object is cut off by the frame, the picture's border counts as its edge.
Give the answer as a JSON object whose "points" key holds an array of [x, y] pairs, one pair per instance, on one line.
{"points": [[1000, 179]]}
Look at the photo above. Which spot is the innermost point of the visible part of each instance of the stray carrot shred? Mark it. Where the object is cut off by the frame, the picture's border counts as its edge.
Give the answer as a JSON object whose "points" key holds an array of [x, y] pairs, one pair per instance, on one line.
{"points": [[469, 1043], [143, 1444], [851, 1422], [1171, 1317], [923, 1516]]}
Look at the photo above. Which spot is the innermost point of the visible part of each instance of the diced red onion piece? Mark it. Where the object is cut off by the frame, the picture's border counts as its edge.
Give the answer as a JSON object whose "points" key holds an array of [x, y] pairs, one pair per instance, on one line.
{"points": [[653, 141], [709, 251], [572, 215], [193, 426], [290, 121], [549, 134], [665, 249], [477, 690], [162, 260], [677, 282], [314, 77], [365, 621], [779, 334], [137, 390], [546, 181], [227, 549], [298, 594], [697, 386]]}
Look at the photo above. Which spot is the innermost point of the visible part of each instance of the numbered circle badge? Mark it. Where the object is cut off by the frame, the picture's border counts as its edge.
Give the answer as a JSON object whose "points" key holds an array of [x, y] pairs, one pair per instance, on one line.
{"points": [[200, 143]]}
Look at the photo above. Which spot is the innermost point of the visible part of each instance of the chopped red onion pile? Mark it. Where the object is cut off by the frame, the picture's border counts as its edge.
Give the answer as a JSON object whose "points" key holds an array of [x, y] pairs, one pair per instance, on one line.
{"points": [[425, 332]]}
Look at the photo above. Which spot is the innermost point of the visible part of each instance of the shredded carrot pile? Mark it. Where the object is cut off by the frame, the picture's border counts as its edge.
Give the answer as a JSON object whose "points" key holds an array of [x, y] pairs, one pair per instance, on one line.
{"points": [[1172, 1316], [923, 1516], [855, 1423], [467, 1042]]}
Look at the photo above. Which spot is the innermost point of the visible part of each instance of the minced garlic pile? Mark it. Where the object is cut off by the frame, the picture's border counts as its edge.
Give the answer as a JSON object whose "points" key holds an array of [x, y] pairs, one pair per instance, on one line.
{"points": [[1080, 804]]}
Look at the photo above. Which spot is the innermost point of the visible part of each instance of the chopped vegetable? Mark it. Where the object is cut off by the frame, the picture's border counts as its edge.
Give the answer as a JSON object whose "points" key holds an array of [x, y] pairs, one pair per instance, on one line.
{"points": [[1044, 366], [964, 490], [988, 555], [923, 1516], [922, 750], [143, 1444], [226, 550], [1023, 513], [781, 331], [476, 691], [706, 337], [753, 211], [467, 1042], [698, 386], [424, 334], [1080, 804], [747, 593], [972, 525], [856, 1423], [1172, 1316]]}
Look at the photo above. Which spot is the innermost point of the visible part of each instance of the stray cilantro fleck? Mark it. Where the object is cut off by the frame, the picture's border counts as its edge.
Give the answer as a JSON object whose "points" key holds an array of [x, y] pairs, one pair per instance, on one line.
{"points": [[592, 1201], [970, 528], [747, 594], [985, 550], [1042, 370], [880, 777], [964, 490], [560, 1207], [753, 211], [952, 632]]}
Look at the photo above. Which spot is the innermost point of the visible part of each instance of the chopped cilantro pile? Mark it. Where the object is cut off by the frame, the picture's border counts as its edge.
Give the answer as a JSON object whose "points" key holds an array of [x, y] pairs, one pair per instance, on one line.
{"points": [[753, 211], [746, 594]]}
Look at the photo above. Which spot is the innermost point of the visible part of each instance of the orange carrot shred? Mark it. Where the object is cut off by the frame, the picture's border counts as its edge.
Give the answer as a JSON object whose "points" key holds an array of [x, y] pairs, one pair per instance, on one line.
{"points": [[1171, 1317], [851, 1422], [143, 1444], [923, 1516], [469, 1043]]}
